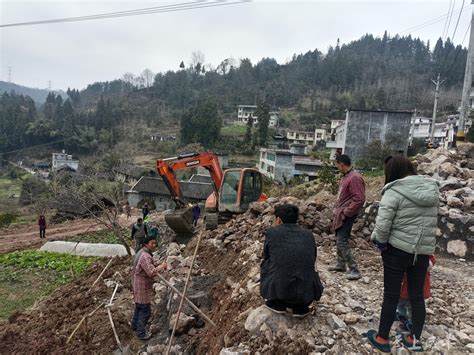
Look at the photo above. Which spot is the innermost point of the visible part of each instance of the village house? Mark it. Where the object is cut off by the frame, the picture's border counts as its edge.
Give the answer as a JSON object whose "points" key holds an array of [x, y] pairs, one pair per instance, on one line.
{"points": [[308, 138], [281, 165], [63, 161], [244, 112], [154, 189], [363, 127]]}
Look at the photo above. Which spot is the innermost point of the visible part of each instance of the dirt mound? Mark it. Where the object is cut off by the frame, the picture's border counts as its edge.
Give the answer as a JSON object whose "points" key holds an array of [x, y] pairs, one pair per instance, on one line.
{"points": [[46, 327]]}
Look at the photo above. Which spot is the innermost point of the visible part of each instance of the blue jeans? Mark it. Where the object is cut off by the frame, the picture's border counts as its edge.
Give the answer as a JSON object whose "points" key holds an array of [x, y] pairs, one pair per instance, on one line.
{"points": [[140, 318]]}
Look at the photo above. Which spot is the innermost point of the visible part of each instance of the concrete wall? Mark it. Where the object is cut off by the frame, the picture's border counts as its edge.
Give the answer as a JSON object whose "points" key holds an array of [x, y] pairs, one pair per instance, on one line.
{"points": [[283, 167], [364, 127]]}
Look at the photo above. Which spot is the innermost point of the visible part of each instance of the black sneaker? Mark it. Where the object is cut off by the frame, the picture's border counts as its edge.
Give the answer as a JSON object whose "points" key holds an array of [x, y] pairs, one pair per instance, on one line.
{"points": [[353, 275], [383, 347], [274, 310], [337, 268], [407, 341], [145, 336]]}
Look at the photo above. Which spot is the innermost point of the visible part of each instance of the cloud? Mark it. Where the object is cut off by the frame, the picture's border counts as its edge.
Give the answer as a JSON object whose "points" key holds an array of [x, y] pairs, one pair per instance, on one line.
{"points": [[76, 54]]}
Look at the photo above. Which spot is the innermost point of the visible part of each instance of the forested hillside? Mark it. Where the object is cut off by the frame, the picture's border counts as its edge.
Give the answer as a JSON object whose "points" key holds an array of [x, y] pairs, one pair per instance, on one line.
{"points": [[372, 72], [38, 95]]}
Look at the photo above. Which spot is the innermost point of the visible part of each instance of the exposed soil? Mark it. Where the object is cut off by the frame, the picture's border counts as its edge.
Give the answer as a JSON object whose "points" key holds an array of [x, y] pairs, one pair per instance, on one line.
{"points": [[46, 327], [27, 237]]}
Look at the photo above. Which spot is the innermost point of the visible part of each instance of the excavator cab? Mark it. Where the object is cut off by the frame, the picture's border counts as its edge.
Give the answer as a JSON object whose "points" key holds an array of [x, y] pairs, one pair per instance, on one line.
{"points": [[239, 188], [234, 190]]}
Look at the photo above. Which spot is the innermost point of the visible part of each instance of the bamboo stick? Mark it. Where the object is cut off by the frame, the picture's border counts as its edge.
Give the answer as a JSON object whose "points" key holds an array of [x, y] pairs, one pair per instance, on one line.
{"points": [[184, 294], [105, 268], [81, 321], [191, 304]]}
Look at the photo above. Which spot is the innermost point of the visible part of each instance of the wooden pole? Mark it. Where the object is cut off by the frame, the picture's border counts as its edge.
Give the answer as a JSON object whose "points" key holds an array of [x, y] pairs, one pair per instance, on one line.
{"points": [[191, 304], [184, 294], [81, 321], [109, 313], [105, 268]]}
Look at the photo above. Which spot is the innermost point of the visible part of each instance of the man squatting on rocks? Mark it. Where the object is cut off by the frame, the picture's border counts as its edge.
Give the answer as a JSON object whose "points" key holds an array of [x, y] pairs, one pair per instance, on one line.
{"points": [[350, 199], [288, 278], [143, 272]]}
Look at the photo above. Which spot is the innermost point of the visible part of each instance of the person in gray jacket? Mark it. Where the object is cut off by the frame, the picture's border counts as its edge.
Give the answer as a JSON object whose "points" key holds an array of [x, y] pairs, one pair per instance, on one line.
{"points": [[405, 232]]}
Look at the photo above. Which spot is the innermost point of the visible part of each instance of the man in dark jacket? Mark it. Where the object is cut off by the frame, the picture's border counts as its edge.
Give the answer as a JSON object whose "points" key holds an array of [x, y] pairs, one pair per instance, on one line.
{"points": [[139, 232], [350, 199], [288, 278]]}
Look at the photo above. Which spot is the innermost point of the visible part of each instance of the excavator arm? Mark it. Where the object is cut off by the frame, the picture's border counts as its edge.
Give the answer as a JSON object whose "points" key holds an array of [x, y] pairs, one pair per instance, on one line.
{"points": [[166, 168], [207, 160]]}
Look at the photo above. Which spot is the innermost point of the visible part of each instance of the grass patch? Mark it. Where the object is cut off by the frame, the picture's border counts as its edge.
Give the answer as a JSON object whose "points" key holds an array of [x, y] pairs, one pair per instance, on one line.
{"points": [[25, 276], [8, 189], [234, 130], [373, 172], [103, 236]]}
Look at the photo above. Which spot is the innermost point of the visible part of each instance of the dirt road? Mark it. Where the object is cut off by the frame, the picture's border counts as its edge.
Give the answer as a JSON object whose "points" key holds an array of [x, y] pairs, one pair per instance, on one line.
{"points": [[27, 237]]}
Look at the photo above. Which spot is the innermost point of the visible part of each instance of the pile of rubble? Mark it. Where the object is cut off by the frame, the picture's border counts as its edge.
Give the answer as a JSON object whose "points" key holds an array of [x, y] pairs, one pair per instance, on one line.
{"points": [[455, 173], [226, 286]]}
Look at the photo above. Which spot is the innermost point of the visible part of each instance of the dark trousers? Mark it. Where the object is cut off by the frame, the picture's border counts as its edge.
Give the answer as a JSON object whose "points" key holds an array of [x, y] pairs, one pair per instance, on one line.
{"points": [[139, 243], [42, 232], [141, 316], [344, 253], [297, 308], [195, 221], [395, 263]]}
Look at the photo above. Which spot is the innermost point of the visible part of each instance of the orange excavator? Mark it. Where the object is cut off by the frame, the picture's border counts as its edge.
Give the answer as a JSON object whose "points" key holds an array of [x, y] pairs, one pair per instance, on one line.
{"points": [[234, 190]]}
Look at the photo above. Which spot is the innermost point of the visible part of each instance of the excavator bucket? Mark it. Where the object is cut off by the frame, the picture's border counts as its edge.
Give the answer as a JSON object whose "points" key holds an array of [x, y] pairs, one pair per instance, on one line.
{"points": [[181, 221]]}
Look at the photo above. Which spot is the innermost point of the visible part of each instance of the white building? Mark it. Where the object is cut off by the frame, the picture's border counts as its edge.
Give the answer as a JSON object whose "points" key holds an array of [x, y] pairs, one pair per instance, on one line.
{"points": [[338, 138], [64, 161], [244, 112], [444, 133], [307, 138], [282, 164]]}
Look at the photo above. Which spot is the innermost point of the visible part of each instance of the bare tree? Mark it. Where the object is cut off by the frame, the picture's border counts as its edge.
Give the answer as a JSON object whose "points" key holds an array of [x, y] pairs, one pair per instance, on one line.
{"points": [[97, 198], [148, 77], [197, 60], [129, 78]]}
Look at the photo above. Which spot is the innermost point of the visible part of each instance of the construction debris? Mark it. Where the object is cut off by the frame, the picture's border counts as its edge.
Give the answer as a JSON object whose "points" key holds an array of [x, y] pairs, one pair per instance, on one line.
{"points": [[225, 287]]}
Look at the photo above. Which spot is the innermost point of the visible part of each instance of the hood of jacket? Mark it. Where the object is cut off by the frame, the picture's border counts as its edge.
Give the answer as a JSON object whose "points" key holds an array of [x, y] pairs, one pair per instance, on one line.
{"points": [[420, 190]]}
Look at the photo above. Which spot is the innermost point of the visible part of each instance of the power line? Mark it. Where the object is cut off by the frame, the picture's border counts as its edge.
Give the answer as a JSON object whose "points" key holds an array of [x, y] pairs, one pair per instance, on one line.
{"points": [[445, 24], [457, 23], [431, 22], [33, 146], [458, 51], [448, 19], [136, 12], [452, 41]]}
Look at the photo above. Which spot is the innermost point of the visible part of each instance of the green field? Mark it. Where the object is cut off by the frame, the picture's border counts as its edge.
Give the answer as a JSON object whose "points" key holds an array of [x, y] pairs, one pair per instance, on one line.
{"points": [[9, 188], [26, 276], [234, 130]]}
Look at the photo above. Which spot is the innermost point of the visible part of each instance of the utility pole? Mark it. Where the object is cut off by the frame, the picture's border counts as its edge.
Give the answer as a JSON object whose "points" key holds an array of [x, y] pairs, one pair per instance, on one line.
{"points": [[9, 74], [435, 107], [413, 120], [466, 90]]}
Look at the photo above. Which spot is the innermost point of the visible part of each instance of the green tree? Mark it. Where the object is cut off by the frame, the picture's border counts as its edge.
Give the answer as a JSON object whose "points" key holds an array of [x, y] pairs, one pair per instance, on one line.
{"points": [[263, 115], [202, 123]]}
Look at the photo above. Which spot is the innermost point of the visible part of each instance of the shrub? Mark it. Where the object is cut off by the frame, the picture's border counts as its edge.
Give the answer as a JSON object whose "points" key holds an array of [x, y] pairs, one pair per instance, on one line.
{"points": [[7, 218]]}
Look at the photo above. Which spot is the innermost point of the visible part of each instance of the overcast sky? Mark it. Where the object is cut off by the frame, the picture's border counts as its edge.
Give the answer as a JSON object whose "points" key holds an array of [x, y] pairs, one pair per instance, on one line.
{"points": [[79, 53]]}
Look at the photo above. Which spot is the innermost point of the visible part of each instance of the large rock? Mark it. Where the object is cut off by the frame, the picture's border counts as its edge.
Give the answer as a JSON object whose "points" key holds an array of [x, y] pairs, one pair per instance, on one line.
{"points": [[457, 248], [466, 150], [262, 316], [335, 322], [184, 324]]}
